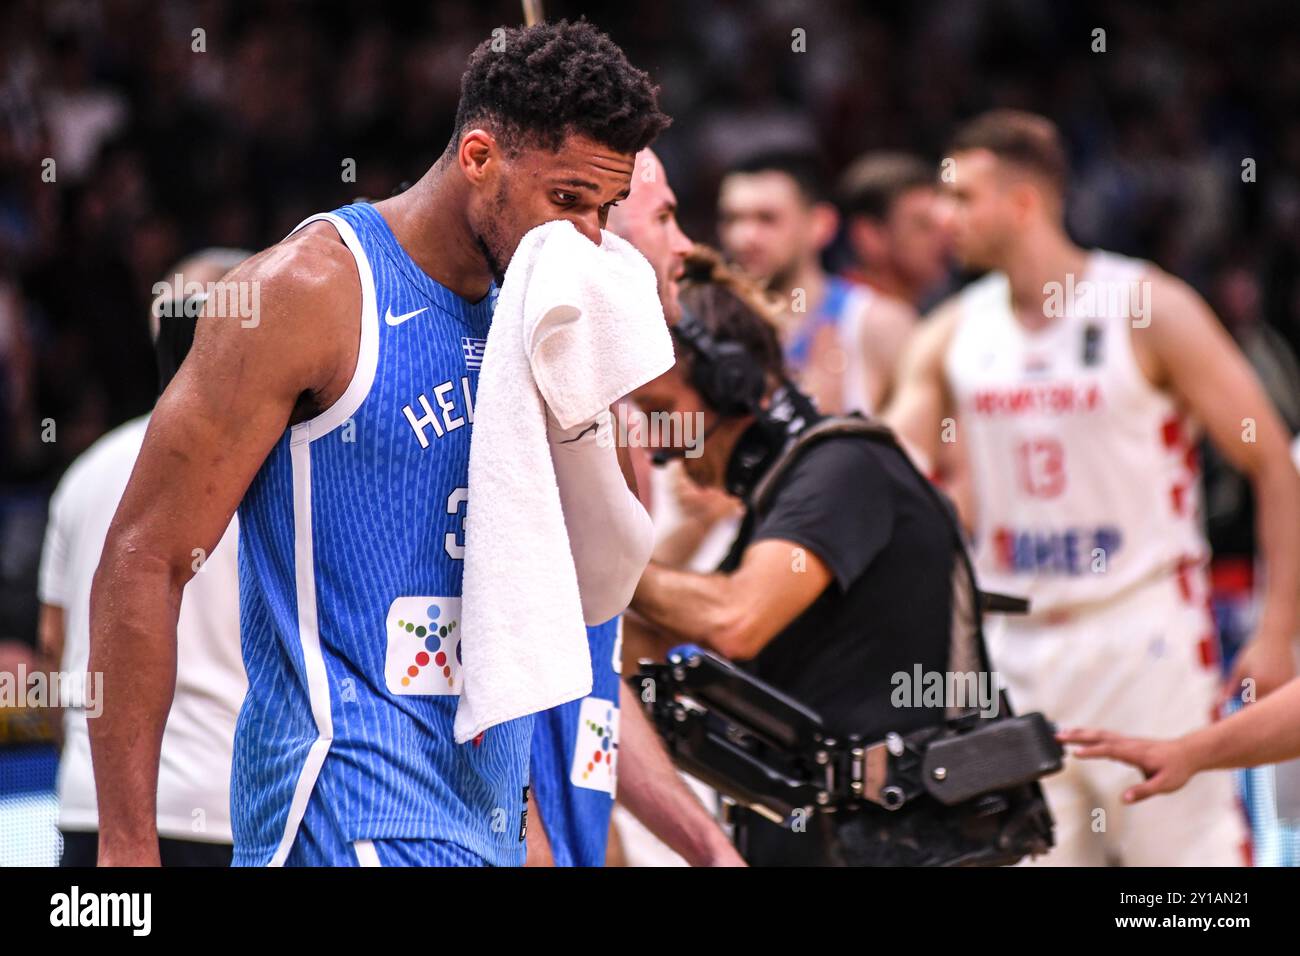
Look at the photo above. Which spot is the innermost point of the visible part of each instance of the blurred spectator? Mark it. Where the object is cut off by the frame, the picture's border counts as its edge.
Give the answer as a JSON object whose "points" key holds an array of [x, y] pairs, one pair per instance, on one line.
{"points": [[893, 227]]}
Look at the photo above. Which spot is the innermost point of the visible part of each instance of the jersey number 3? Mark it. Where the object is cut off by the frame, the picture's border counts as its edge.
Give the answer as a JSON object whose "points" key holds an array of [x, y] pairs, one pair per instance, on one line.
{"points": [[453, 542]]}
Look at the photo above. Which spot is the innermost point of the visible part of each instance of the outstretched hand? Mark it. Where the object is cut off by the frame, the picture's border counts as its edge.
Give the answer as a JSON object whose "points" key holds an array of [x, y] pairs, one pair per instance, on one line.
{"points": [[1166, 764]]}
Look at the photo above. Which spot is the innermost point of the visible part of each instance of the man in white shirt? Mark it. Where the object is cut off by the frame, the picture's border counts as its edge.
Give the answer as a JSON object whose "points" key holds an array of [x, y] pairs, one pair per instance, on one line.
{"points": [[193, 798], [1081, 382]]}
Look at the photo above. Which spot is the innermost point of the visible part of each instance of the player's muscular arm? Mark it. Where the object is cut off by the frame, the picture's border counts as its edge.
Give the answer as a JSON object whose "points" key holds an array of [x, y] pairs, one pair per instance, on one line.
{"points": [[736, 614], [1187, 351], [921, 399], [232, 399]]}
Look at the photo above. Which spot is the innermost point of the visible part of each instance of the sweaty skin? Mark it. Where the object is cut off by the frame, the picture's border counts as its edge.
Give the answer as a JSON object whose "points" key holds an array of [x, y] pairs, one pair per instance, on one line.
{"points": [[241, 387]]}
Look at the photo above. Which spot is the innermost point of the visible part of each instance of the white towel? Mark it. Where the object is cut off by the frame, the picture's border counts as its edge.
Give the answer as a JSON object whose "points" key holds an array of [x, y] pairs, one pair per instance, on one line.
{"points": [[577, 326]]}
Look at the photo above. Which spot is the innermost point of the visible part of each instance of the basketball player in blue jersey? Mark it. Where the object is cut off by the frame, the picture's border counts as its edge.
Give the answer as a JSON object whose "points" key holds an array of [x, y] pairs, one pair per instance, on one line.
{"points": [[582, 749], [576, 756], [340, 416]]}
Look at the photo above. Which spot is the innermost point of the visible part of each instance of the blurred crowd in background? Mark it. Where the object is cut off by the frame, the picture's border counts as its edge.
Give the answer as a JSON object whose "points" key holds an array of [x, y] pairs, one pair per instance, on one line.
{"points": [[1184, 130]]}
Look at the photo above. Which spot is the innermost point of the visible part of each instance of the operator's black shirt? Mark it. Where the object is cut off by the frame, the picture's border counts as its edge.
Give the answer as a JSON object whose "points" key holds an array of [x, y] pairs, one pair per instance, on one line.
{"points": [[860, 507]]}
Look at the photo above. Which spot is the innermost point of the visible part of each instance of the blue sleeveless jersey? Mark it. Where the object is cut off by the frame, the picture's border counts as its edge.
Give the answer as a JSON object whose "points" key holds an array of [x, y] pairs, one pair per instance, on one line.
{"points": [[350, 565], [831, 311], [575, 758]]}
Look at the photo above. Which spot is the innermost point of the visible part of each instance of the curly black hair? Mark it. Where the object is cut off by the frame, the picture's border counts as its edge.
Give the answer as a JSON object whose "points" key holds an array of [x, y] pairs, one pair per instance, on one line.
{"points": [[535, 86], [732, 308]]}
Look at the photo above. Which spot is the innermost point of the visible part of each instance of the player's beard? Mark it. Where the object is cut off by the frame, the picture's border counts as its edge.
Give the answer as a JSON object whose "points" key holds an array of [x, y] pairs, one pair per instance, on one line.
{"points": [[497, 270], [491, 240]]}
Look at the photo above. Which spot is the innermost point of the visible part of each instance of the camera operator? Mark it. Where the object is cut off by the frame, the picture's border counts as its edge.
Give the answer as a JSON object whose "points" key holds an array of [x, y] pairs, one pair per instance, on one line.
{"points": [[840, 580]]}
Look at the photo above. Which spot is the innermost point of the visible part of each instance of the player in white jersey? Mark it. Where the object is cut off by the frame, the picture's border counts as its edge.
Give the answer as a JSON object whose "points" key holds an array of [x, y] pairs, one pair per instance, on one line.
{"points": [[1252, 737], [1077, 383]]}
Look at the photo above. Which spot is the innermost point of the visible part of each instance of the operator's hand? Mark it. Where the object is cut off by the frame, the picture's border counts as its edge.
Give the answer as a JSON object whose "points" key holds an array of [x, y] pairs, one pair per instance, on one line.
{"points": [[705, 505], [1166, 764]]}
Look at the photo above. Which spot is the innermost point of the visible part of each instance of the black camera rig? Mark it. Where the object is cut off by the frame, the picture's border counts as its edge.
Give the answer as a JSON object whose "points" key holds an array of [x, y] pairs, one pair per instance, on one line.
{"points": [[766, 752]]}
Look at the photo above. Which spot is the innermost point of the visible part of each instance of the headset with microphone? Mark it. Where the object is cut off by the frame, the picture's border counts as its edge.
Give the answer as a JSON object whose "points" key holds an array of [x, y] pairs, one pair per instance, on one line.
{"points": [[732, 382], [724, 373]]}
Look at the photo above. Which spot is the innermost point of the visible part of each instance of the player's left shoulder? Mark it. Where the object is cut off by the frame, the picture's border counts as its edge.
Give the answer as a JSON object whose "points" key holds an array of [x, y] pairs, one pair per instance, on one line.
{"points": [[1168, 317]]}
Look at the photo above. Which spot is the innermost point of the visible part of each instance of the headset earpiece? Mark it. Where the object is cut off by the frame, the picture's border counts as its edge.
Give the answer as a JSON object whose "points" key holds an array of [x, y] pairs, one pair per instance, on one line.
{"points": [[724, 373]]}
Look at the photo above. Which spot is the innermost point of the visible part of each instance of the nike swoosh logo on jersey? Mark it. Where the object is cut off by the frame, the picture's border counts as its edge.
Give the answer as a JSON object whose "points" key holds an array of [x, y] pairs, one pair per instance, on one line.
{"points": [[399, 319]]}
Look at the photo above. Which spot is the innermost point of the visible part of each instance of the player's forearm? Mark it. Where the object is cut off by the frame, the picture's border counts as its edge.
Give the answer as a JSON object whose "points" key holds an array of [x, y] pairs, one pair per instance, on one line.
{"points": [[652, 791], [610, 534], [134, 605], [1277, 521], [1265, 732]]}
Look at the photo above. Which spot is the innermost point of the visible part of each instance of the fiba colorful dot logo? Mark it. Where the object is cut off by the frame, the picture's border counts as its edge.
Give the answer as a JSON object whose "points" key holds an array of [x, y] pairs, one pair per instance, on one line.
{"points": [[437, 644], [423, 653], [595, 745], [604, 753]]}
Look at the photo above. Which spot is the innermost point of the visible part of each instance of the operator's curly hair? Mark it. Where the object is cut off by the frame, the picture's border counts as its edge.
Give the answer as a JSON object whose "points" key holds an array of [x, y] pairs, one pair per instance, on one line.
{"points": [[732, 307], [534, 86]]}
